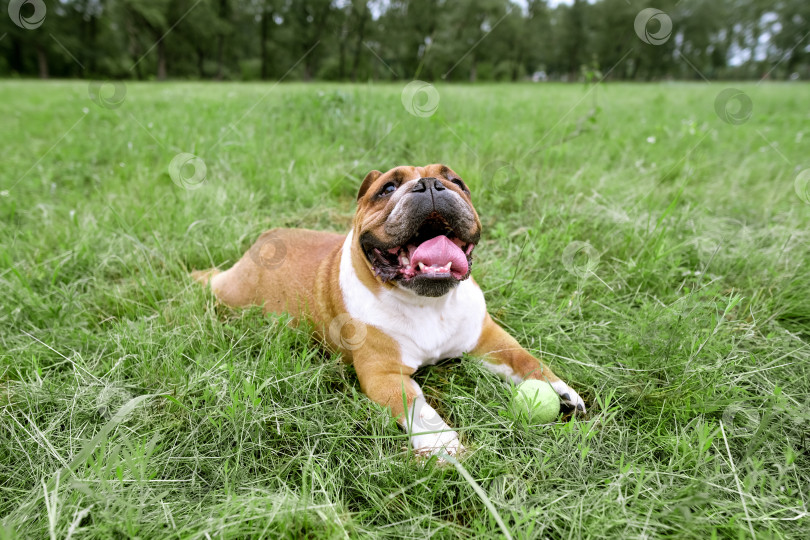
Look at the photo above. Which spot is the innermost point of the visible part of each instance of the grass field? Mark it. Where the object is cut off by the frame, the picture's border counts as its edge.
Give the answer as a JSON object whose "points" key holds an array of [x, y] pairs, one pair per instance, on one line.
{"points": [[133, 406]]}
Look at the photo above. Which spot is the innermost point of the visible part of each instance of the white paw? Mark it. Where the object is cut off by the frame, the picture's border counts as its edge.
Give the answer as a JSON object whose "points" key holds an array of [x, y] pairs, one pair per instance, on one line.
{"points": [[569, 396], [435, 444], [429, 434]]}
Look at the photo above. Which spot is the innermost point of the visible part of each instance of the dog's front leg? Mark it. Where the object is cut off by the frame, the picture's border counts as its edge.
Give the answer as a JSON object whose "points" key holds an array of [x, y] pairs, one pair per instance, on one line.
{"points": [[387, 381], [503, 355], [429, 434]]}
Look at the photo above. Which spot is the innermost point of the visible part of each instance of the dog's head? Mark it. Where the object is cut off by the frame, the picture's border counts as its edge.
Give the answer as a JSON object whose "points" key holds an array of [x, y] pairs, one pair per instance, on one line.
{"points": [[416, 227]]}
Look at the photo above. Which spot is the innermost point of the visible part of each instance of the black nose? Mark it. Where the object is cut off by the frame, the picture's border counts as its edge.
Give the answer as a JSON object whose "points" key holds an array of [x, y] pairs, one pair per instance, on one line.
{"points": [[424, 184]]}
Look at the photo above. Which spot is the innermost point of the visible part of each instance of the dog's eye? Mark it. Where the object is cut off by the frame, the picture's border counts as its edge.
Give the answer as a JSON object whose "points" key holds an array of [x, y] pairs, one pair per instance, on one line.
{"points": [[460, 184], [388, 189]]}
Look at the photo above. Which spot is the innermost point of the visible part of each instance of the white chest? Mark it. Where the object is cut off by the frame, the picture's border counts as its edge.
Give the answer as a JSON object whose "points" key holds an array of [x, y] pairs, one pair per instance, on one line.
{"points": [[426, 329]]}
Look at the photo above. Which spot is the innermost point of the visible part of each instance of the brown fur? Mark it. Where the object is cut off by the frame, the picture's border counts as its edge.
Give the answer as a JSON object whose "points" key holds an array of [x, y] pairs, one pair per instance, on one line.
{"points": [[498, 347], [304, 282]]}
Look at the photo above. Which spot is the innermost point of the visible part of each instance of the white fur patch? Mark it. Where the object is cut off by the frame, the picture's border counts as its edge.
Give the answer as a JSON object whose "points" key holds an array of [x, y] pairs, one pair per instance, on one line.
{"points": [[426, 329], [503, 370], [573, 398], [429, 434]]}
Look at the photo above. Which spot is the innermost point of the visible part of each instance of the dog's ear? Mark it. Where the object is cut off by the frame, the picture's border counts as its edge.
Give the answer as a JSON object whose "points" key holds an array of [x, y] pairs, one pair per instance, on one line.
{"points": [[367, 181]]}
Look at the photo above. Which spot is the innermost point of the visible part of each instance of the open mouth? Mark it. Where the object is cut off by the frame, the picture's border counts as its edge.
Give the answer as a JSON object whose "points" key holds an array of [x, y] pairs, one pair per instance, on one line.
{"points": [[434, 252]]}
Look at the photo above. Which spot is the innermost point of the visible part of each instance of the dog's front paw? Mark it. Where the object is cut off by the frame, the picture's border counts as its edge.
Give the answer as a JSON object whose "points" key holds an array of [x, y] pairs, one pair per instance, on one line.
{"points": [[435, 444], [430, 434], [569, 397]]}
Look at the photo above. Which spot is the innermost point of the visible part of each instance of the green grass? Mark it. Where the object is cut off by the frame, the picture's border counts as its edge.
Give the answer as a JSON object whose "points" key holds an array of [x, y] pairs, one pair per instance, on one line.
{"points": [[689, 341]]}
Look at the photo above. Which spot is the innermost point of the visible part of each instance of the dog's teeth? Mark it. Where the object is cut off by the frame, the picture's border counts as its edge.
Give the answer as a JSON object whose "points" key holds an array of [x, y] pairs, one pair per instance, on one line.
{"points": [[449, 264], [421, 267]]}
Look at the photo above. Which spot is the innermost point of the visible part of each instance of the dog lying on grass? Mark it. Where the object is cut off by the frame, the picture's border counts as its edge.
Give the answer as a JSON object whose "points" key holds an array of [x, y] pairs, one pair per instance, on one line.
{"points": [[401, 280]]}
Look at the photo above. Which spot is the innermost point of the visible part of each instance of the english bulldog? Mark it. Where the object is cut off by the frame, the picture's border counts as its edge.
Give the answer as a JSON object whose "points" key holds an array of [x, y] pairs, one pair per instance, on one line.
{"points": [[392, 295]]}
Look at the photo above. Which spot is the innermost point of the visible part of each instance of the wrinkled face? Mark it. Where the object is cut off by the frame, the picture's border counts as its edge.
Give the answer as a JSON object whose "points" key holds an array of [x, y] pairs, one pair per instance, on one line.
{"points": [[417, 228]]}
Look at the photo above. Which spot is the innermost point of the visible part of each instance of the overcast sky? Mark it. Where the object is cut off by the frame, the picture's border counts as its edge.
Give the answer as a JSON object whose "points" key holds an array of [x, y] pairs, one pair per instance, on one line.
{"points": [[551, 3]]}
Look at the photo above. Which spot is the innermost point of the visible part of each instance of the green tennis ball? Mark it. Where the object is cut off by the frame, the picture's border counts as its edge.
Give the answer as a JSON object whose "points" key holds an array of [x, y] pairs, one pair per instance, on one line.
{"points": [[536, 401]]}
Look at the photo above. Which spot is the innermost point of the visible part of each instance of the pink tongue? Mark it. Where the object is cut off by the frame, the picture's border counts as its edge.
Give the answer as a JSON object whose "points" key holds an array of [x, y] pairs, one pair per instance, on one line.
{"points": [[439, 251]]}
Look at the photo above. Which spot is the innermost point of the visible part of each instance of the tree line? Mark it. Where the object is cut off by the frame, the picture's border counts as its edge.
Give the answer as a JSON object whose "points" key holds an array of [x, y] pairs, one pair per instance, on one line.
{"points": [[359, 40]]}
